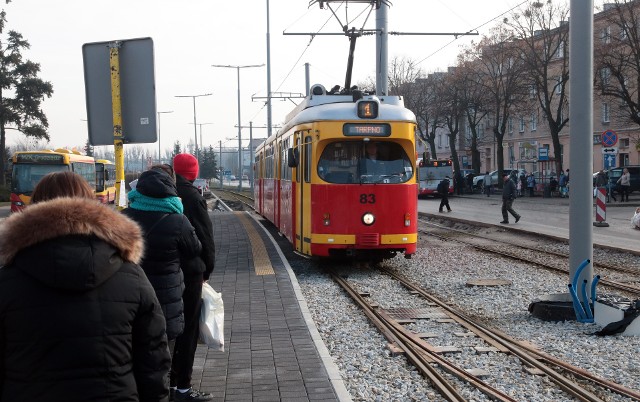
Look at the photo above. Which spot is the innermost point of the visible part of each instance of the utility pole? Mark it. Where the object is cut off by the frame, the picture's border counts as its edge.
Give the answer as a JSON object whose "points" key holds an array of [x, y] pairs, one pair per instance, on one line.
{"points": [[239, 128], [195, 129], [381, 32]]}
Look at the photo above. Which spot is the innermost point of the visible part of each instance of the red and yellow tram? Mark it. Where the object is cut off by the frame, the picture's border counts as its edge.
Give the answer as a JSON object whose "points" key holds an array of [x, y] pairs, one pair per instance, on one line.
{"points": [[339, 179]]}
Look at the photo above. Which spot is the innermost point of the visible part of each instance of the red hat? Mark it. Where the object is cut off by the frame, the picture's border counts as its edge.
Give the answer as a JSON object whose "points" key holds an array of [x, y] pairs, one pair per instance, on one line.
{"points": [[186, 165]]}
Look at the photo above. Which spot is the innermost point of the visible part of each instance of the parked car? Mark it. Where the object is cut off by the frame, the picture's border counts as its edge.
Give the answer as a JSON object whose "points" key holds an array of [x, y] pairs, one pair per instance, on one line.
{"points": [[634, 171], [478, 181], [203, 186]]}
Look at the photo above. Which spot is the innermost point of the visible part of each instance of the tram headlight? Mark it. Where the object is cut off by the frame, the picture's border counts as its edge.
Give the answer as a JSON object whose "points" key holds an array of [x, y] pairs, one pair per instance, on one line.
{"points": [[326, 219], [407, 219], [368, 219]]}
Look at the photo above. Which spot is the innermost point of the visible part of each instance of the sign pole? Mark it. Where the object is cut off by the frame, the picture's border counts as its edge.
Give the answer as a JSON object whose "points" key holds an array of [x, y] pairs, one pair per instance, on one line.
{"points": [[116, 107]]}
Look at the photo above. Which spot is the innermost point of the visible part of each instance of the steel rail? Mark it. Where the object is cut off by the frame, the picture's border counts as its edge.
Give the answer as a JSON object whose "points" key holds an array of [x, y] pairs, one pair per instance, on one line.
{"points": [[603, 281], [519, 350], [418, 352], [614, 268]]}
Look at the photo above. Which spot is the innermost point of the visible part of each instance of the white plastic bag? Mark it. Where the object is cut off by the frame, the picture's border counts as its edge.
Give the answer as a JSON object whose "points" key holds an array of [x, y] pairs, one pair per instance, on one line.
{"points": [[212, 318], [635, 221]]}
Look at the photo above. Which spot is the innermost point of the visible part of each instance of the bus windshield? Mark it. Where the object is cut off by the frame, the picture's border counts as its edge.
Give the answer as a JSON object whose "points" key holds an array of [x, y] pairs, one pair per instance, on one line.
{"points": [[25, 176], [381, 162]]}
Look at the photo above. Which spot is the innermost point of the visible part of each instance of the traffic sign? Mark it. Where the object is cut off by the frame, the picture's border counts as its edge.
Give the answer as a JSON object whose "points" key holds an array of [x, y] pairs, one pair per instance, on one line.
{"points": [[609, 138], [610, 150], [543, 154], [137, 86]]}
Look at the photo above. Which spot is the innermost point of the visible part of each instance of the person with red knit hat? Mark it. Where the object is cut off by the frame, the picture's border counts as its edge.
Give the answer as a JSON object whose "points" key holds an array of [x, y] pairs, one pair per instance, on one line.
{"points": [[196, 271]]}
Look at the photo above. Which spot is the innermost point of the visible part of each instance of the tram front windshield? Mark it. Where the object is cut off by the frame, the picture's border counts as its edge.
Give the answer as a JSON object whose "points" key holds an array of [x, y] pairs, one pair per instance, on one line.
{"points": [[25, 176], [379, 162]]}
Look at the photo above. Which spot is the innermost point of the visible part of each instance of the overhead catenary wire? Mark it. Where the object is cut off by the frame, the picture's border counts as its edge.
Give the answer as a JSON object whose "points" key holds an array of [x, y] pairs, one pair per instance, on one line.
{"points": [[471, 30]]}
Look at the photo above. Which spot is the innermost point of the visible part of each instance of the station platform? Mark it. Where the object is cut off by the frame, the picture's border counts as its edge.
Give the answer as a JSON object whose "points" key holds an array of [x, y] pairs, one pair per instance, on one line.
{"points": [[546, 216], [273, 351]]}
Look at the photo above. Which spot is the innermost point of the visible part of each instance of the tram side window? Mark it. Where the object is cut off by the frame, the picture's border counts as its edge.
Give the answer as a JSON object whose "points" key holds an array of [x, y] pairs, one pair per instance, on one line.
{"points": [[285, 173], [307, 159]]}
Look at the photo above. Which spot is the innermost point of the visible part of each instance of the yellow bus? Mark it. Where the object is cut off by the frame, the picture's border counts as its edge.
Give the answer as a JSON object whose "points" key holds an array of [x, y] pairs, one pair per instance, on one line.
{"points": [[105, 181], [30, 166]]}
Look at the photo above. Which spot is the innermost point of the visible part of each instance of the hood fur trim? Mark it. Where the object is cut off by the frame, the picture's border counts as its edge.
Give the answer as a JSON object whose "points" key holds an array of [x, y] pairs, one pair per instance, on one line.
{"points": [[70, 216]]}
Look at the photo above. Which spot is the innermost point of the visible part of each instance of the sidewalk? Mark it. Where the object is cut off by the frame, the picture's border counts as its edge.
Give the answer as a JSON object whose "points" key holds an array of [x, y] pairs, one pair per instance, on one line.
{"points": [[548, 216]]}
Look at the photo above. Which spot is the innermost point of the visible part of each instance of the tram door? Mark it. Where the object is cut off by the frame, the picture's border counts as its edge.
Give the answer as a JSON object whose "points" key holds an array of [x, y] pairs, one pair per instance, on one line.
{"points": [[303, 193]]}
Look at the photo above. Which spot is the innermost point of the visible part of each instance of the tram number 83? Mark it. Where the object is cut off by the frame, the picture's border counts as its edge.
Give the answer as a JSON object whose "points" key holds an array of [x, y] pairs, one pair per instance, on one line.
{"points": [[367, 198]]}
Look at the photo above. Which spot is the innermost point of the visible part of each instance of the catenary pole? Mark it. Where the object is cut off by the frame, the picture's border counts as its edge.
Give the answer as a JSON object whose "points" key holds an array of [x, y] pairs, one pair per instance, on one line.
{"points": [[581, 138]]}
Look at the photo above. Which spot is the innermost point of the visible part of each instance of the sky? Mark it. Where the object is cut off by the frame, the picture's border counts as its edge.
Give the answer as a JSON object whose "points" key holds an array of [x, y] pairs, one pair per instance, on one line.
{"points": [[190, 36]]}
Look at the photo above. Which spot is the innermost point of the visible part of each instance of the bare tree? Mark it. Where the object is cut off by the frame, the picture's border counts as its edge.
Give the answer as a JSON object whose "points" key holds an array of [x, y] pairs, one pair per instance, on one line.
{"points": [[451, 94], [501, 73], [475, 101], [617, 62], [421, 97], [542, 31], [401, 72]]}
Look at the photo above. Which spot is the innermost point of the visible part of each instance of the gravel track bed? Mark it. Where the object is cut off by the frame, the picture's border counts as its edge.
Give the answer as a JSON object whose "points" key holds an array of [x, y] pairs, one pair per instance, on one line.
{"points": [[371, 373]]}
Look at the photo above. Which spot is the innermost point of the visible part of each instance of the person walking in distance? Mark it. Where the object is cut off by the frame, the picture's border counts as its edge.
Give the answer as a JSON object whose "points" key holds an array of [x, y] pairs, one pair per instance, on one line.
{"points": [[625, 182], [443, 190], [169, 237], [508, 196], [79, 320], [196, 271], [531, 184], [486, 181]]}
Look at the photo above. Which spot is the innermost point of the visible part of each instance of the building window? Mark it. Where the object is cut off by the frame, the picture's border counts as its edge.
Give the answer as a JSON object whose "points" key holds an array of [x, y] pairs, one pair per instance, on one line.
{"points": [[606, 34], [521, 124], [605, 112], [624, 143], [623, 32], [532, 91], [605, 73], [558, 85], [560, 52], [510, 125], [597, 139], [534, 122]]}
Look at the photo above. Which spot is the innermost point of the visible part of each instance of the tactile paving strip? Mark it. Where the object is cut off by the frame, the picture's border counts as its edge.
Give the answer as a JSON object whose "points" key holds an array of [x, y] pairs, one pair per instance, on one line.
{"points": [[261, 262]]}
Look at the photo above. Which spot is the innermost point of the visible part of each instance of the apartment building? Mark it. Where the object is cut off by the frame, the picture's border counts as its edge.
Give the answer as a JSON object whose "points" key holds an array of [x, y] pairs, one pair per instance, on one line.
{"points": [[527, 142]]}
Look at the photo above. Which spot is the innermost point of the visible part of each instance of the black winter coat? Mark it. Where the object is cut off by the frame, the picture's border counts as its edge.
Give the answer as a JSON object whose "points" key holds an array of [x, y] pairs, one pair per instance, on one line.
{"points": [[195, 209], [79, 320], [169, 238]]}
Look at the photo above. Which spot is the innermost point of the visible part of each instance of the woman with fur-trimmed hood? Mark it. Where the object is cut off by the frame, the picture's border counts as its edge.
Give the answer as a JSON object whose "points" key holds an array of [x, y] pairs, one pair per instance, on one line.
{"points": [[79, 319]]}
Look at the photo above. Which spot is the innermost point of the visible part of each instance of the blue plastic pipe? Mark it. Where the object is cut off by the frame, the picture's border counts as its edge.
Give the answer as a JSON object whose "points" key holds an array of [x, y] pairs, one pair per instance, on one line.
{"points": [[577, 306], [583, 264], [596, 279], [586, 305]]}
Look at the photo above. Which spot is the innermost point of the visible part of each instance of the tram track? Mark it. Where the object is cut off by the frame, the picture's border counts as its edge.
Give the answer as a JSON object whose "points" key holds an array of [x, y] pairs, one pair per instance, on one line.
{"points": [[424, 356], [536, 255]]}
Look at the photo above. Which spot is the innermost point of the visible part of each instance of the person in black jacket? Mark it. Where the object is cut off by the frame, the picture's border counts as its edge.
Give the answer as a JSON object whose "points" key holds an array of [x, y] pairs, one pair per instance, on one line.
{"points": [[443, 191], [79, 319], [169, 238], [196, 271], [508, 195]]}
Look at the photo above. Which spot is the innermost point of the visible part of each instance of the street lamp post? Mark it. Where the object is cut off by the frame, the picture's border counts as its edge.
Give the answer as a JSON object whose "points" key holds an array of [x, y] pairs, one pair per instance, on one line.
{"points": [[159, 152], [200, 125], [195, 128], [239, 126]]}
